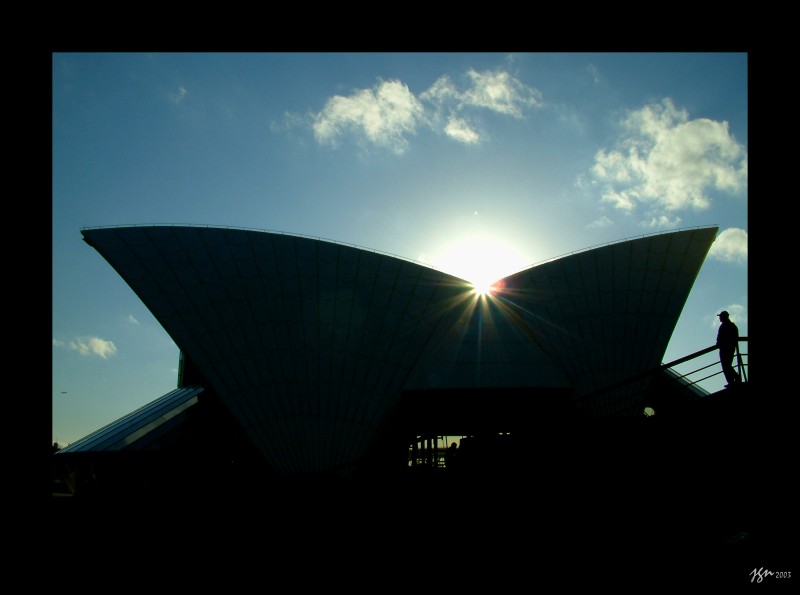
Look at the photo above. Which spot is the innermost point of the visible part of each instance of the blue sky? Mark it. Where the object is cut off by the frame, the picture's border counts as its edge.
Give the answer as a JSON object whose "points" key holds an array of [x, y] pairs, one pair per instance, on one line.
{"points": [[463, 161]]}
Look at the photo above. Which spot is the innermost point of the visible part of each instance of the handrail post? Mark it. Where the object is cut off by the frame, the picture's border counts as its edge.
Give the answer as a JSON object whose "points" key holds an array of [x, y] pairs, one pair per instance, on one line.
{"points": [[739, 364]]}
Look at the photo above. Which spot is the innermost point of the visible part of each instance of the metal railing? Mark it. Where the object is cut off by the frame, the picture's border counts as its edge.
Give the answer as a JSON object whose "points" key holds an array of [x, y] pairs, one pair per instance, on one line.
{"points": [[708, 368], [700, 371]]}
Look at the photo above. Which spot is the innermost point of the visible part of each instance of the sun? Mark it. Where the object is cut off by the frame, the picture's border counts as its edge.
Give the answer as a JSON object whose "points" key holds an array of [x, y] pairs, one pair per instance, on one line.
{"points": [[482, 287], [482, 260]]}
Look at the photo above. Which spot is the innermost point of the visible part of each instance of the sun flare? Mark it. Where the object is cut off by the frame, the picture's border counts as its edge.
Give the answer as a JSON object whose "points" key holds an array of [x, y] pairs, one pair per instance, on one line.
{"points": [[481, 260]]}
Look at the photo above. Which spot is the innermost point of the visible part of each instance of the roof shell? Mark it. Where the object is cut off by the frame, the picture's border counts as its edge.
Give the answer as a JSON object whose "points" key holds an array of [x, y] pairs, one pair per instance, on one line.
{"points": [[310, 343]]}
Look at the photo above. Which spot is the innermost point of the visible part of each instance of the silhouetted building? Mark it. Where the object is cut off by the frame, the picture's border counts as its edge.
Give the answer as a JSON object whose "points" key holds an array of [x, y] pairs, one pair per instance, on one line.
{"points": [[321, 358]]}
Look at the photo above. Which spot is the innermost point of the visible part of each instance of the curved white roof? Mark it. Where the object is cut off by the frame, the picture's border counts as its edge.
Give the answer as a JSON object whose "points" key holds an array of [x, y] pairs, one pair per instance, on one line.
{"points": [[310, 343]]}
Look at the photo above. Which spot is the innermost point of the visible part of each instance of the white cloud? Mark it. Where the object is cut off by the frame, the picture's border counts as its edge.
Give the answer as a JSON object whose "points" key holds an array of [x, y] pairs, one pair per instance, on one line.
{"points": [[500, 92], [458, 129], [730, 246], [667, 163], [132, 320], [442, 92], [620, 200], [93, 346], [601, 222], [388, 113], [497, 91], [661, 221], [383, 116]]}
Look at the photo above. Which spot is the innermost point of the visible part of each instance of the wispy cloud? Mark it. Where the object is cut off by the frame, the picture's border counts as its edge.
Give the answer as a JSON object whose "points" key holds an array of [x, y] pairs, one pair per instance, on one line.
{"points": [[730, 246], [383, 116], [388, 114], [178, 95], [498, 91], [591, 69], [664, 162], [460, 130], [601, 222], [132, 320], [89, 346], [738, 314]]}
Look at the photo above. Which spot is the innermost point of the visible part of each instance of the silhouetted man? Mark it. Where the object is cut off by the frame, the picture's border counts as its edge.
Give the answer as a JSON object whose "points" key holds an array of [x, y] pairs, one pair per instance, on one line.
{"points": [[450, 457], [727, 342]]}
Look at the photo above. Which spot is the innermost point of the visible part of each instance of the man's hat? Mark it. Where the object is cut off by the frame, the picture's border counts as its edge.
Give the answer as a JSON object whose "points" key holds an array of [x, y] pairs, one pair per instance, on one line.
{"points": [[723, 314]]}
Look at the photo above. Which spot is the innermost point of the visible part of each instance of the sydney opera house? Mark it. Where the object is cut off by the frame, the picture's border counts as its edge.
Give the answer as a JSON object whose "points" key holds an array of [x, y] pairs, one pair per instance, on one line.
{"points": [[316, 357], [306, 362]]}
